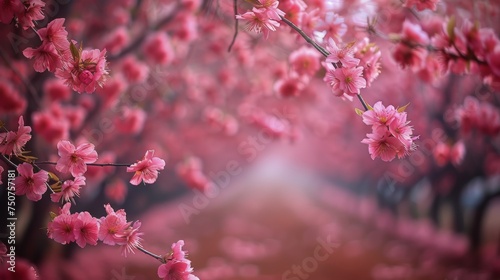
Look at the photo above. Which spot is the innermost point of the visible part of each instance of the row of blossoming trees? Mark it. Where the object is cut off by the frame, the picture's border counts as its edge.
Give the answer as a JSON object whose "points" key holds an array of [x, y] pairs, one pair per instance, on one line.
{"points": [[87, 88]]}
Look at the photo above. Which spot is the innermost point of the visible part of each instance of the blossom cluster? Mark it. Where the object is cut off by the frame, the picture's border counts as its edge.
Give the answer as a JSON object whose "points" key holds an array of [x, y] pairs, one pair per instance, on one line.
{"points": [[176, 266], [391, 133], [190, 170], [82, 70], [347, 74], [13, 142], [263, 18], [72, 160], [464, 49], [444, 153], [82, 228], [479, 115], [22, 12]]}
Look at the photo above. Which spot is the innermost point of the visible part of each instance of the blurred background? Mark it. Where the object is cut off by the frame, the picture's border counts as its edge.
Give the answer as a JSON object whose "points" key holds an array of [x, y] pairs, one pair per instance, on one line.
{"points": [[266, 176]]}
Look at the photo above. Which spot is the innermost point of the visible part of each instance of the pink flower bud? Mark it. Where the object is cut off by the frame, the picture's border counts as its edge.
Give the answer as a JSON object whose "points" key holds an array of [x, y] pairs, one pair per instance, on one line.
{"points": [[86, 77]]}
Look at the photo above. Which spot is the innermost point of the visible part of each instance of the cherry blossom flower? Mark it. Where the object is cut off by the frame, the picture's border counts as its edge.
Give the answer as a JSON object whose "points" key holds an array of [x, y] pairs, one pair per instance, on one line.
{"points": [[134, 70], [56, 34], [130, 238], [32, 12], [305, 61], [190, 170], [13, 142], [69, 189], [62, 228], [259, 22], [343, 55], [9, 8], [113, 223], [289, 87], [380, 115], [270, 9], [29, 183], [381, 144], [345, 80], [12, 101], [74, 160], [177, 266], [174, 270], [422, 4], [55, 90], [158, 48], [391, 133], [146, 170], [441, 153], [45, 57], [86, 72], [85, 229]]}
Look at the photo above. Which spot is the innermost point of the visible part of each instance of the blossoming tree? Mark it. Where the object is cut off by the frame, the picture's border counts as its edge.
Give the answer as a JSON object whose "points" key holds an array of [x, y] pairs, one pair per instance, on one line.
{"points": [[93, 86]]}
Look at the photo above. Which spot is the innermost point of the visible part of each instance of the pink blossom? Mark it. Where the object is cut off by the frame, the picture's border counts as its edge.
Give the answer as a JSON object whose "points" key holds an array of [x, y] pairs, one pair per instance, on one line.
{"points": [[369, 55], [74, 160], [381, 144], [12, 102], [269, 8], [9, 8], [116, 40], [305, 61], [158, 48], [85, 229], [422, 4], [400, 129], [134, 70], [69, 189], [130, 120], [45, 57], [113, 223], [130, 238], [345, 80], [62, 228], [116, 191], [32, 12], [391, 134], [441, 153], [380, 115], [343, 55], [177, 266], [56, 34], [86, 72], [13, 142], [289, 87], [177, 252], [30, 183], [259, 22], [49, 126], [190, 170], [55, 90], [146, 170], [176, 270], [413, 57], [413, 34]]}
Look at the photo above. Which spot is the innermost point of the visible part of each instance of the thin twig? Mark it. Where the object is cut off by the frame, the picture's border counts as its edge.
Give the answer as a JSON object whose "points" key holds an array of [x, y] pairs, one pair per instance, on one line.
{"points": [[235, 7], [91, 164], [160, 258]]}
